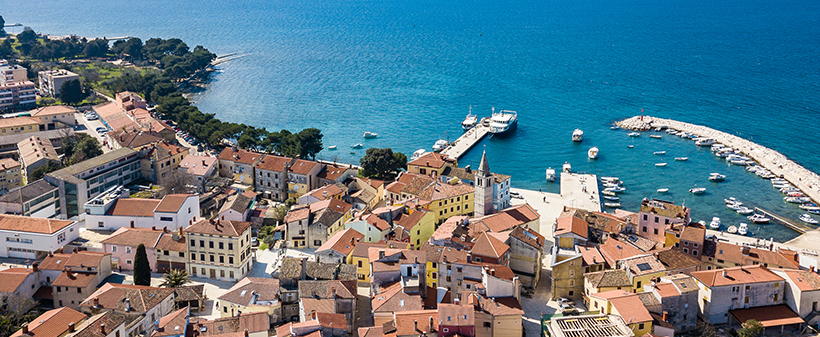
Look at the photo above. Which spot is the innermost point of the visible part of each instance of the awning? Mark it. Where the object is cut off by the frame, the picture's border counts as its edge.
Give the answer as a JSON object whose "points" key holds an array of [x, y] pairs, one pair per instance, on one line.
{"points": [[771, 316]]}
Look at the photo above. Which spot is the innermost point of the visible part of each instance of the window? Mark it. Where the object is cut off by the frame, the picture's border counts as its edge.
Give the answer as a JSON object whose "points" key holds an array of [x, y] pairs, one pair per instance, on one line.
{"points": [[114, 249], [222, 273], [100, 224], [181, 254], [193, 243], [202, 258], [641, 326], [202, 243], [571, 293], [360, 263], [212, 258], [434, 276], [657, 219], [644, 229], [221, 259], [317, 242], [230, 259], [128, 250], [127, 261], [666, 221], [746, 300], [645, 217], [656, 231], [776, 296], [210, 244], [221, 245], [571, 273], [695, 252], [695, 244], [571, 283], [638, 285], [777, 284], [193, 257], [166, 218], [230, 245], [231, 273], [80, 291]]}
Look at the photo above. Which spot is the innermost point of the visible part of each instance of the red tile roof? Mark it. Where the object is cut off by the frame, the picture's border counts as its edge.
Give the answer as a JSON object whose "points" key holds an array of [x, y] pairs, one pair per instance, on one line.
{"points": [[736, 275], [11, 279], [802, 279], [133, 207], [392, 298], [301, 166], [614, 250], [52, 323], [32, 225], [239, 156], [769, 316], [219, 227], [416, 322], [70, 278], [571, 224], [489, 246], [78, 259], [127, 236], [273, 163], [430, 159], [172, 324], [171, 203], [343, 241], [113, 295], [628, 305]]}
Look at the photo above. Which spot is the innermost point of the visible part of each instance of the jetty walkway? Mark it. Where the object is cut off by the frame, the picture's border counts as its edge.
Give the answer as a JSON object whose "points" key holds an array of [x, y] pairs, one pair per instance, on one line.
{"points": [[460, 146], [807, 181]]}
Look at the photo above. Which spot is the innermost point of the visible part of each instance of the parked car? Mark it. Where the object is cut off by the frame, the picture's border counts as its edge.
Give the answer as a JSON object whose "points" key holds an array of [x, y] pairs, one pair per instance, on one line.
{"points": [[254, 242], [91, 116], [101, 130], [516, 195], [564, 300]]}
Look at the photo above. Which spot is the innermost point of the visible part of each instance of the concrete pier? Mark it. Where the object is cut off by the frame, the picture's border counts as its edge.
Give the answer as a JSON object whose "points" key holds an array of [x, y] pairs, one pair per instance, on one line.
{"points": [[799, 176], [464, 143]]}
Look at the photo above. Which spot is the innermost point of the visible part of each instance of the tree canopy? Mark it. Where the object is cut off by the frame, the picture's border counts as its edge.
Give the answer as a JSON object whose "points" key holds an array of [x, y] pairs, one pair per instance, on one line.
{"points": [[79, 147], [71, 92], [751, 328], [381, 163], [2, 23], [142, 269], [41, 171], [175, 278]]}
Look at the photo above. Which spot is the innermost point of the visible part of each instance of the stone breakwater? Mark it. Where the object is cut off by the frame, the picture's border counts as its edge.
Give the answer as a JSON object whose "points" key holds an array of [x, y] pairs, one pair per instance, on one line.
{"points": [[803, 179]]}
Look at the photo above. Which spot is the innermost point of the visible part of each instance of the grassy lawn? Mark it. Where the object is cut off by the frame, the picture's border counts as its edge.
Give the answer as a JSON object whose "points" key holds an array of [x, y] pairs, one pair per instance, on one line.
{"points": [[263, 246]]}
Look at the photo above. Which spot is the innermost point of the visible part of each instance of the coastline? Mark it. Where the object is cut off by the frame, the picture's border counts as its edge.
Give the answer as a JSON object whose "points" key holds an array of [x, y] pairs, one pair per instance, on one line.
{"points": [[802, 178]]}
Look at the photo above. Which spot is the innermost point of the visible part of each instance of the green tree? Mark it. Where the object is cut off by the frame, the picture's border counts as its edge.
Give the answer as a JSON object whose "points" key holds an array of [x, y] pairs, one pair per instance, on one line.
{"points": [[71, 92], [41, 171], [15, 313], [142, 270], [28, 36], [96, 48], [79, 147], [175, 278], [381, 163], [310, 141], [752, 328], [2, 23], [131, 47]]}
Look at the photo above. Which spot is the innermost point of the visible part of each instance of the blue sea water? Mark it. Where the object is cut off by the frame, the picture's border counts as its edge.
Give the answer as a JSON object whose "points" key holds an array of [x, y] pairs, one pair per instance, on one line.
{"points": [[409, 70]]}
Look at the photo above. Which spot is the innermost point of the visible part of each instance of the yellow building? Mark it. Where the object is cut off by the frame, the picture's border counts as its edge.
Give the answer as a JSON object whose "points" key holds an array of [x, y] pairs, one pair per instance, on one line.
{"points": [[238, 164], [641, 270], [624, 304], [443, 199], [431, 164], [10, 176], [437, 259], [603, 281], [252, 294], [419, 223], [567, 260], [15, 125], [673, 235], [359, 258], [303, 177]]}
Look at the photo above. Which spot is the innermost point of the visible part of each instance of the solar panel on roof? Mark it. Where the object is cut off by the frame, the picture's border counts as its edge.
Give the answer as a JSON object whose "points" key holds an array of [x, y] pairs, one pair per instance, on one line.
{"points": [[633, 238], [644, 266]]}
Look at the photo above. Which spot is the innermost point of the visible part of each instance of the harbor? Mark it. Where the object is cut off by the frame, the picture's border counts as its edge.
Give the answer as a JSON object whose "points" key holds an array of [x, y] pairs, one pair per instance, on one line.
{"points": [[468, 140]]}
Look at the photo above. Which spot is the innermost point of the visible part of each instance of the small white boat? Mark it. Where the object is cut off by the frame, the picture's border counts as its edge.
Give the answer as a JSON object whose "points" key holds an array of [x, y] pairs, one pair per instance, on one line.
{"points": [[717, 147], [609, 193], [734, 207], [470, 121], [732, 229], [705, 142], [612, 204], [808, 219], [577, 135], [440, 145], [417, 154], [683, 134], [634, 134], [615, 180], [550, 174], [732, 200], [809, 206], [659, 153], [660, 164], [614, 127], [715, 224], [716, 177], [663, 190], [742, 229], [630, 146], [797, 200], [612, 198], [567, 168], [356, 146], [615, 189], [332, 147], [743, 210], [697, 190], [758, 218], [814, 211], [671, 131], [593, 153], [370, 135], [655, 136], [681, 158]]}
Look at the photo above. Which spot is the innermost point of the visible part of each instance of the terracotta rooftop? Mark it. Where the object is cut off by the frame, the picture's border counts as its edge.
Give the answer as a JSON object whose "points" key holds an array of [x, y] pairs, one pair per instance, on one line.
{"points": [[11, 279], [172, 202], [133, 207], [408, 221], [769, 316], [693, 234], [303, 167], [528, 236], [52, 323], [239, 155], [746, 255], [456, 314], [33, 149], [736, 276], [489, 246], [504, 220], [628, 305], [79, 259], [250, 290], [21, 223], [172, 324], [642, 265], [273, 163], [127, 236], [416, 322], [430, 159], [591, 255], [360, 250], [664, 208], [614, 250], [571, 224], [342, 242], [253, 322], [392, 298], [326, 289], [674, 259], [113, 296], [297, 214], [70, 278], [608, 278], [802, 279], [53, 110], [197, 165], [217, 227]]}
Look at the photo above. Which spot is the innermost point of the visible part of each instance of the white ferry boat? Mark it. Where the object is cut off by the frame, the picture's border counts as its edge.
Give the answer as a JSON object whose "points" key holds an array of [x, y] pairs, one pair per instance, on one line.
{"points": [[577, 135], [503, 120], [470, 121], [593, 153], [440, 144]]}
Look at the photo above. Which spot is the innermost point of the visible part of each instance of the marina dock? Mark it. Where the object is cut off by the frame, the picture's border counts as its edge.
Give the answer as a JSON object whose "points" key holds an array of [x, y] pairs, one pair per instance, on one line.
{"points": [[797, 227], [460, 146], [580, 191], [800, 177]]}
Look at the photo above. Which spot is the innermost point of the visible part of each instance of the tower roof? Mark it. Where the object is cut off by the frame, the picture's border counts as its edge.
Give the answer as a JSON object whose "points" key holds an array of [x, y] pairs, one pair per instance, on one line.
{"points": [[484, 167]]}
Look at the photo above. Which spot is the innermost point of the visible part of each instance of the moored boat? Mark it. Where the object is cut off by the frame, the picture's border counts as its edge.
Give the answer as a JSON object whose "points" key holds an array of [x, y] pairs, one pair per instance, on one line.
{"points": [[612, 204], [660, 164], [742, 229], [758, 218], [502, 121], [705, 142], [797, 200], [659, 153], [356, 146], [634, 134], [418, 153], [716, 177], [715, 224], [630, 146], [732, 200], [663, 190], [593, 153], [743, 210], [440, 145], [808, 219], [681, 158], [732, 229], [550, 174], [697, 190], [577, 135], [332, 147], [612, 198], [655, 136], [470, 121], [370, 135]]}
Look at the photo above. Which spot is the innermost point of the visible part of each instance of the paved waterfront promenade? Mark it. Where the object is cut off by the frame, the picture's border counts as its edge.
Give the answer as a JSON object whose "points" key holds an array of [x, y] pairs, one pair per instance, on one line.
{"points": [[577, 190], [464, 143], [805, 180]]}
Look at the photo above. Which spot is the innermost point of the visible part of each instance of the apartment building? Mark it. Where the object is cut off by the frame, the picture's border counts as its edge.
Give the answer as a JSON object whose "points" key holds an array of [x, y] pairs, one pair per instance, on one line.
{"points": [[219, 249], [52, 80], [238, 164], [12, 73], [32, 238], [20, 95], [83, 181], [723, 290], [10, 174], [55, 117], [35, 152]]}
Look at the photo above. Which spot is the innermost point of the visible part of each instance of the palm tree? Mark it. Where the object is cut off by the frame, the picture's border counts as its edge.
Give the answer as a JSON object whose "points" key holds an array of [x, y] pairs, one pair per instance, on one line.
{"points": [[175, 278]]}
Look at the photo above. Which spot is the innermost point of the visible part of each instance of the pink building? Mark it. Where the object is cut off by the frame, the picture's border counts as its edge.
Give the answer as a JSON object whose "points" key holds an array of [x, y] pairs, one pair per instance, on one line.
{"points": [[656, 215], [165, 249]]}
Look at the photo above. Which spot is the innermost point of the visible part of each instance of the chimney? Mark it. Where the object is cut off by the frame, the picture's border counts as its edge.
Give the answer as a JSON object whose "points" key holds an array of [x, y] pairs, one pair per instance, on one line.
{"points": [[416, 325], [75, 250], [665, 315], [127, 305], [25, 328], [457, 301], [71, 327], [246, 332], [153, 228], [723, 272], [381, 254], [203, 162], [96, 302], [102, 329], [35, 267]]}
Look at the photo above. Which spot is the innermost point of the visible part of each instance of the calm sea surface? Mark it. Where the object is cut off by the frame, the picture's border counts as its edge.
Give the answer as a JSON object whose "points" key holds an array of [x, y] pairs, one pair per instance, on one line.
{"points": [[410, 70]]}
